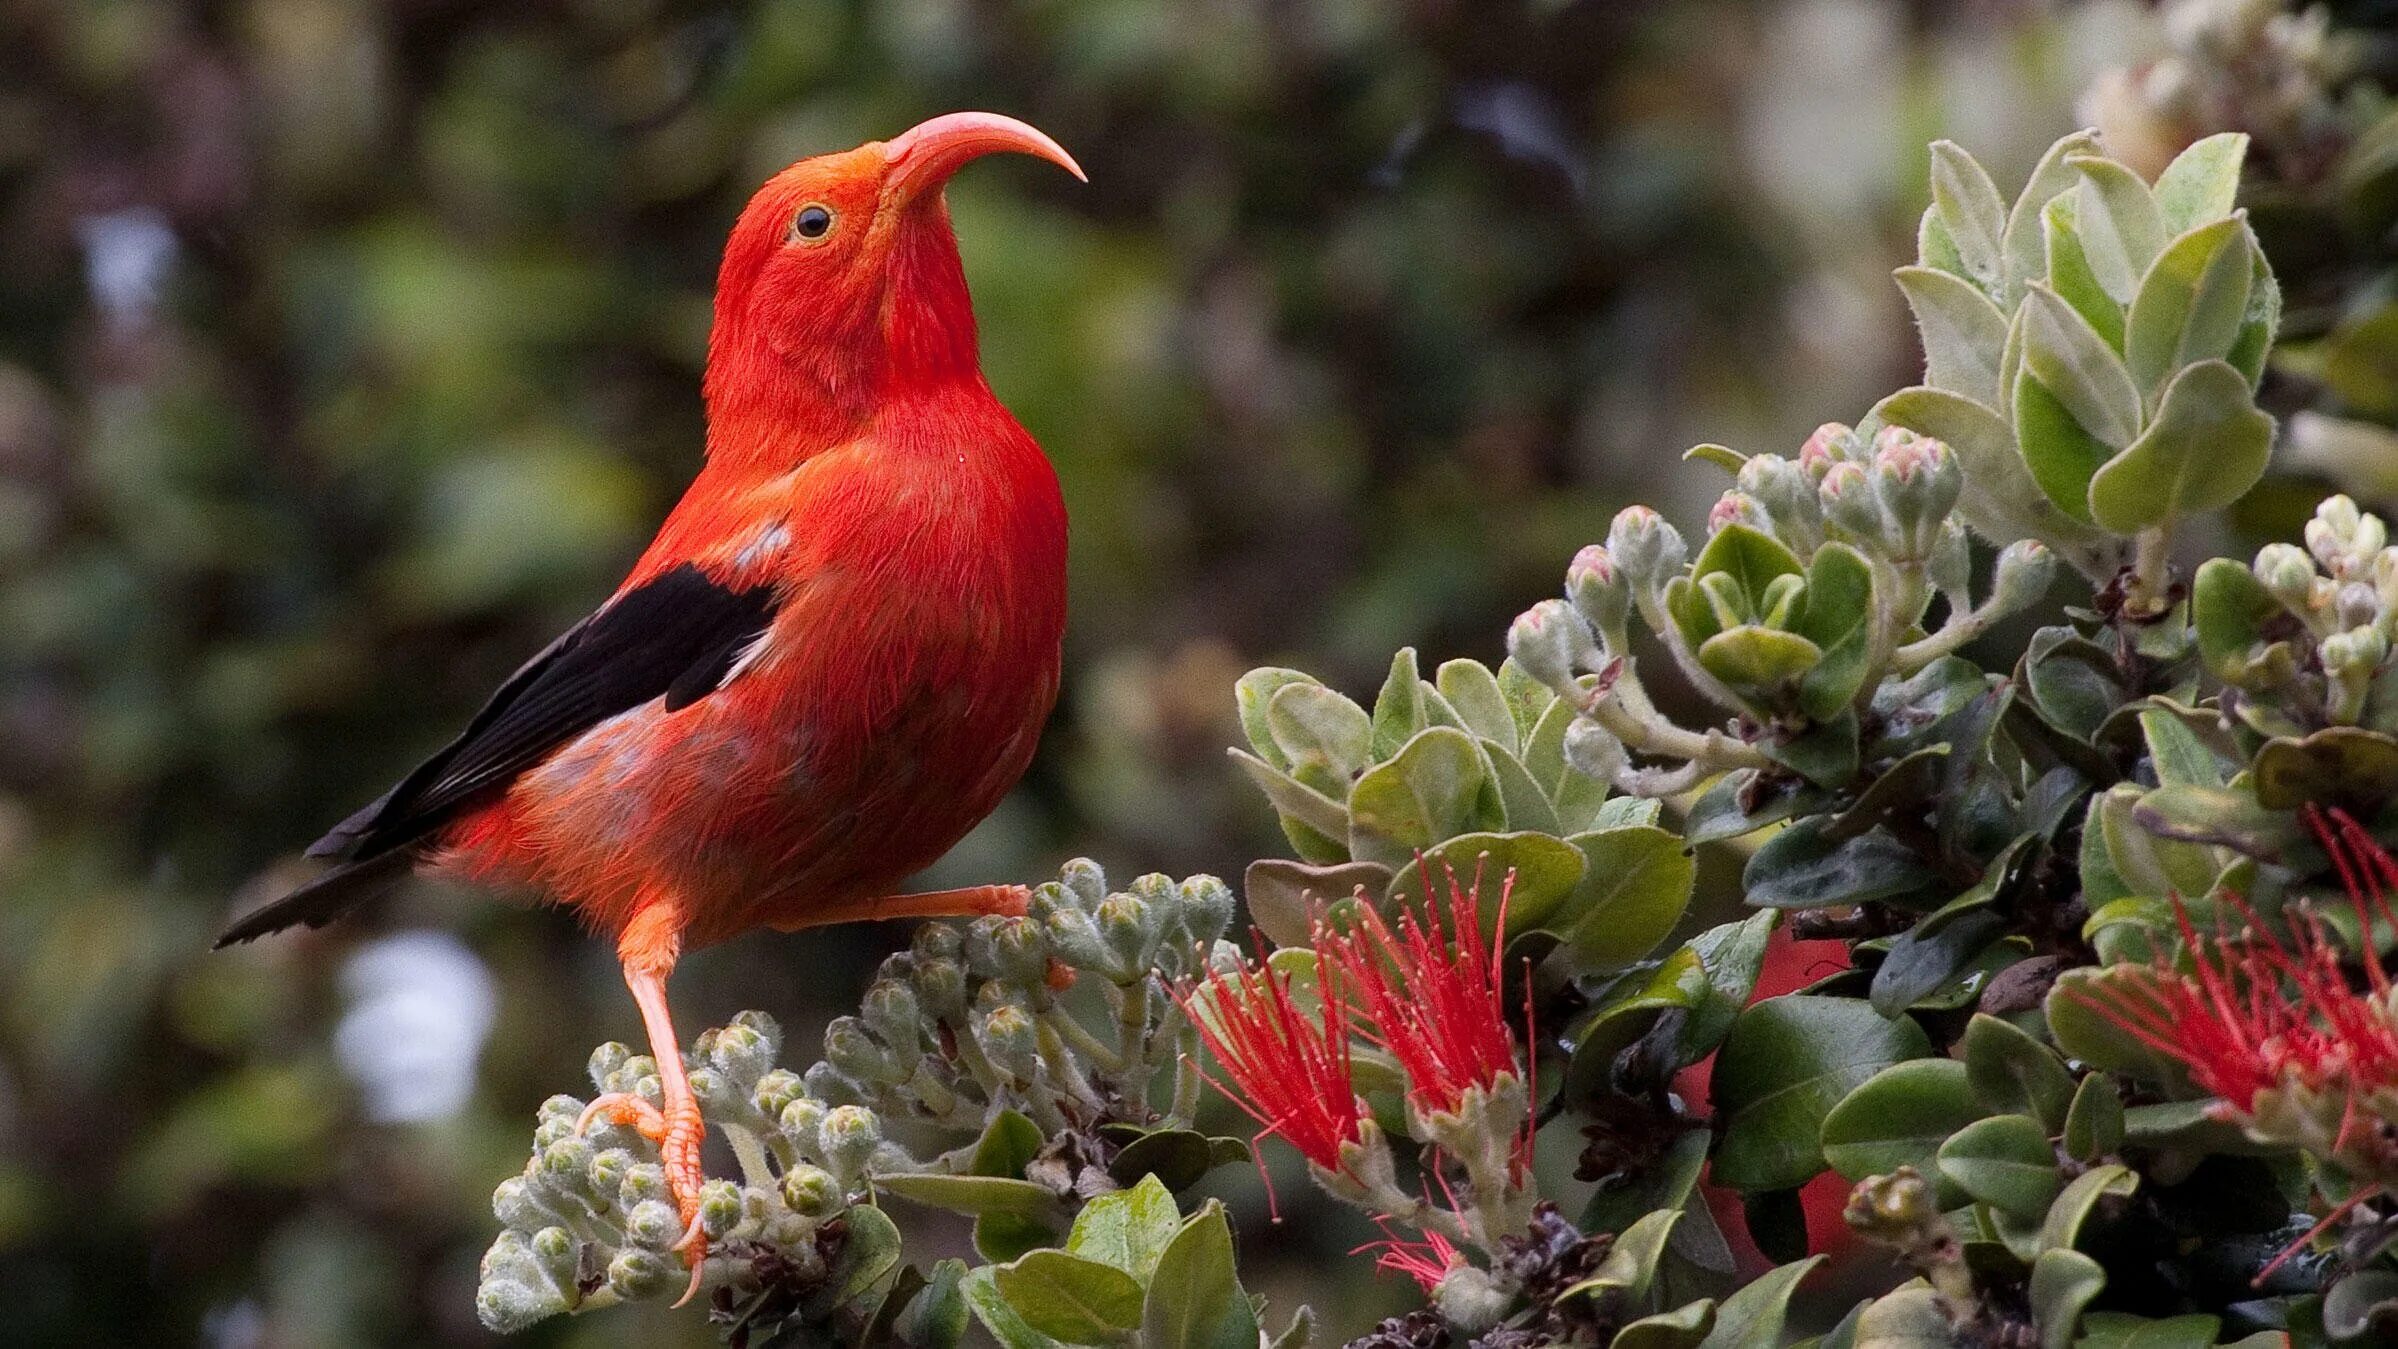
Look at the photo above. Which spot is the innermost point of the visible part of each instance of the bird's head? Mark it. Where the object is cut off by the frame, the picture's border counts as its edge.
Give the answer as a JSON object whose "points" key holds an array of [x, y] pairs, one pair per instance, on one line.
{"points": [[841, 282]]}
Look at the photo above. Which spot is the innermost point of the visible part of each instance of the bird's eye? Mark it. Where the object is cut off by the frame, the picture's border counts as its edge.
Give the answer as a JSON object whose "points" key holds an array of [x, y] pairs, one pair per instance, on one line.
{"points": [[812, 223]]}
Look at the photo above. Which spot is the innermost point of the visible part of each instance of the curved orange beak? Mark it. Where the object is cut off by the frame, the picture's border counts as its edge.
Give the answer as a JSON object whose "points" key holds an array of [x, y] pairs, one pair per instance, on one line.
{"points": [[922, 157]]}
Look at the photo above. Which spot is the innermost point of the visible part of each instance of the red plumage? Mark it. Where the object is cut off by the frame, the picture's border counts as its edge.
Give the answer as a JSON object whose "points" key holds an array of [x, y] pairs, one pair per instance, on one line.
{"points": [[834, 659]]}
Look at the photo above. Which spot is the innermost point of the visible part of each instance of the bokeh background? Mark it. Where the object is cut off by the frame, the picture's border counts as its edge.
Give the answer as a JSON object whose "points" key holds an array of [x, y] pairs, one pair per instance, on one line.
{"points": [[348, 350]]}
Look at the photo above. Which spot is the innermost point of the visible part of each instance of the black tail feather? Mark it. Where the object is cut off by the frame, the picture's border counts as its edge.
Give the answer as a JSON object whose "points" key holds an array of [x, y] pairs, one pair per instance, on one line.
{"points": [[324, 899]]}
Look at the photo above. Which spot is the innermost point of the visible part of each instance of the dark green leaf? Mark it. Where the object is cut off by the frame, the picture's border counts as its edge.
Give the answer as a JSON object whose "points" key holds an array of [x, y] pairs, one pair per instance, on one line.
{"points": [[1195, 1299], [1785, 1064], [2004, 1162], [1900, 1117], [1802, 867], [2094, 1124], [2012, 1071], [1069, 1298]]}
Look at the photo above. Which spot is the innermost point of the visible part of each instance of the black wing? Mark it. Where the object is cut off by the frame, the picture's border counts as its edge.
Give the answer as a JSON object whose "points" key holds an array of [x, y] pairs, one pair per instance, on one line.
{"points": [[673, 637]]}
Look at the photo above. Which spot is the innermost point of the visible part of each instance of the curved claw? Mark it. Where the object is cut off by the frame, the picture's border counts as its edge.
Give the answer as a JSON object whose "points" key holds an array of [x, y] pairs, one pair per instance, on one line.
{"points": [[623, 1107], [694, 1247]]}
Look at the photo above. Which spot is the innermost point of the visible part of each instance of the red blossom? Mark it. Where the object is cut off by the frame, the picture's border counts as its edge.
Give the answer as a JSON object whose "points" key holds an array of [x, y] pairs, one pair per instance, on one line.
{"points": [[2255, 1013], [1427, 1261], [1440, 1013], [1288, 1072]]}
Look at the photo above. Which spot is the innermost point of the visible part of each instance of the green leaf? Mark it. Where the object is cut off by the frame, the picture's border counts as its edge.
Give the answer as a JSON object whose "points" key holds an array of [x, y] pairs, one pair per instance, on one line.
{"points": [[1971, 211], [2061, 456], [2062, 1283], [1785, 1064], [1399, 709], [1283, 896], [2012, 1071], [2117, 220], [1722, 456], [1174, 1158], [1008, 1142], [1316, 824], [2202, 182], [868, 1255], [1523, 805], [2053, 176], [1434, 789], [1899, 1117], [1929, 954], [1252, 694], [2207, 446], [2191, 303], [936, 1319], [2063, 1225], [2094, 1123], [1761, 664], [1000, 1318], [1913, 1317], [2005, 1162], [1473, 690], [1752, 559], [1547, 872], [1999, 489], [1681, 1328], [1324, 738], [2229, 609], [1069, 1298], [1129, 1229], [2077, 368], [976, 1195], [1834, 613], [2179, 756], [2069, 275], [2084, 1033], [1633, 890], [1630, 1265], [1195, 1300], [1963, 332], [1752, 1317], [1802, 867]]}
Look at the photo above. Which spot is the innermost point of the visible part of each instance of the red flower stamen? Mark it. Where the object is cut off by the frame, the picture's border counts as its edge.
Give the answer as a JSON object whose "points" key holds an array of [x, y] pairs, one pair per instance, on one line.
{"points": [[1442, 1015], [1288, 1072], [1427, 1261]]}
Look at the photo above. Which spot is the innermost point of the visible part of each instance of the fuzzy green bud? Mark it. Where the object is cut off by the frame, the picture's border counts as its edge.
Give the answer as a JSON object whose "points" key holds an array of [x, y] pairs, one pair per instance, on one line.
{"points": [[1130, 926], [1471, 1300], [1549, 642], [654, 1223], [1010, 1040], [512, 1203], [2288, 574], [1916, 480], [1085, 880], [891, 1011], [515, 1291], [812, 1191], [852, 1049], [1950, 567], [554, 1249], [636, 1274], [1831, 443], [1646, 549], [1009, 949], [742, 1054], [607, 1062], [832, 1086], [2343, 538], [2025, 570], [1787, 494], [1846, 496], [800, 1121], [1204, 908], [1593, 751], [938, 941], [609, 1168], [847, 1140], [2356, 652], [1068, 928], [776, 1090], [642, 1180], [1736, 507], [568, 1158], [1597, 592], [719, 1207]]}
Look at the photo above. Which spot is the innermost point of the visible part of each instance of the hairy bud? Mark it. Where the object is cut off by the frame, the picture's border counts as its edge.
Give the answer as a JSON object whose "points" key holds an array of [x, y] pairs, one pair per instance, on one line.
{"points": [[1597, 592], [1646, 549], [1549, 642]]}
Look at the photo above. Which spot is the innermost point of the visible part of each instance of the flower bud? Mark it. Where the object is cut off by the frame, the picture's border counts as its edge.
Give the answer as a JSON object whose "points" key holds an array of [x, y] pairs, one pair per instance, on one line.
{"points": [[1848, 504], [853, 1050], [512, 1203], [1646, 549], [1597, 592], [1205, 907], [1087, 882], [775, 1091], [891, 1011], [554, 1250], [607, 1063], [1916, 480], [1009, 949], [717, 1094], [642, 1180], [635, 1274], [800, 1122], [654, 1223], [2355, 605], [568, 1159], [941, 987], [847, 1140], [1787, 492], [2025, 570], [719, 1208], [2343, 538], [1549, 642], [2288, 574], [1068, 928], [1592, 751], [1010, 1040], [811, 1190], [1950, 567], [938, 941], [1736, 507], [2356, 653], [1832, 443], [832, 1086], [1130, 927], [608, 1170], [742, 1055], [1470, 1299]]}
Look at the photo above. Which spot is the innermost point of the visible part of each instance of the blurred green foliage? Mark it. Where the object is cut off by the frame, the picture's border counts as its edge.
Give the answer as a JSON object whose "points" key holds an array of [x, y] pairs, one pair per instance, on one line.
{"points": [[348, 350]]}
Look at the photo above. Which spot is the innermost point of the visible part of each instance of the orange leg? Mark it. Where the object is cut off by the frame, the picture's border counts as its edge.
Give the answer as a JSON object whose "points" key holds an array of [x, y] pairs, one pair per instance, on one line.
{"points": [[973, 901], [648, 950]]}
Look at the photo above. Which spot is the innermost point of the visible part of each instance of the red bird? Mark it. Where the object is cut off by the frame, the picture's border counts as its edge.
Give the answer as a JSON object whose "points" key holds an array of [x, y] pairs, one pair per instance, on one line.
{"points": [[834, 659]]}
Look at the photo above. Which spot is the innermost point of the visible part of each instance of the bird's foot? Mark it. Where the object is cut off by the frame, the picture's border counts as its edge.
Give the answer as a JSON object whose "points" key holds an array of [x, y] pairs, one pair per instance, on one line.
{"points": [[679, 1131]]}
